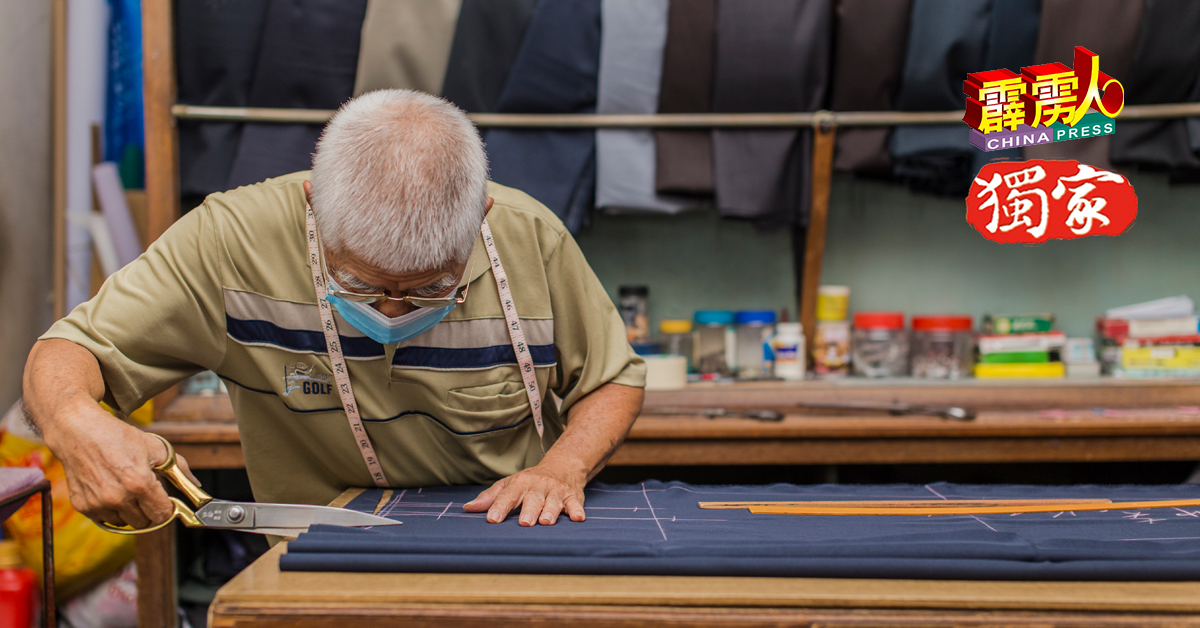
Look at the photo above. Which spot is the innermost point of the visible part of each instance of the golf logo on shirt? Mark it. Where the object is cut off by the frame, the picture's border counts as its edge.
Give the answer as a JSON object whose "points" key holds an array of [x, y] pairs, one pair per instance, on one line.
{"points": [[1039, 200], [1043, 104], [301, 377]]}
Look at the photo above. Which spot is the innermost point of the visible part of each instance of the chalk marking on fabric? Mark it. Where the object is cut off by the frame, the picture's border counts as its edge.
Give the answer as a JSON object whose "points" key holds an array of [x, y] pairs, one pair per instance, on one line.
{"points": [[652, 514], [446, 510], [383, 500], [985, 524]]}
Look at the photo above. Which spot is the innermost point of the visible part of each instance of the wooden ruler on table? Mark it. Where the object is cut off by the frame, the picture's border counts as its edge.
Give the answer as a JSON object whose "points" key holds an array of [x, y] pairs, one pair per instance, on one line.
{"points": [[944, 507]]}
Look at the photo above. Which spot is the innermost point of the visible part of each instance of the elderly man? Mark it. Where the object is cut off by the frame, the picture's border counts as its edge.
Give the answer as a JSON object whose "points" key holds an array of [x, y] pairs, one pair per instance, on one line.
{"points": [[388, 336]]}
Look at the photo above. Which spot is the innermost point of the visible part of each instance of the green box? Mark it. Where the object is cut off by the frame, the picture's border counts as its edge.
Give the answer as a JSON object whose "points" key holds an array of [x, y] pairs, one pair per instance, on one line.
{"points": [[1016, 357], [1018, 323]]}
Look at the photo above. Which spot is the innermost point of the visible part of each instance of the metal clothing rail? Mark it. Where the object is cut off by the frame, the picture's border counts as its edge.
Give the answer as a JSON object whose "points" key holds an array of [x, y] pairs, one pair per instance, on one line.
{"points": [[663, 120]]}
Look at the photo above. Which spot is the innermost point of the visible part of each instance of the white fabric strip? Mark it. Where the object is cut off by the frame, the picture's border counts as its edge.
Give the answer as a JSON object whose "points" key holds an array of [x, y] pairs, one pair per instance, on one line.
{"points": [[337, 360], [520, 347]]}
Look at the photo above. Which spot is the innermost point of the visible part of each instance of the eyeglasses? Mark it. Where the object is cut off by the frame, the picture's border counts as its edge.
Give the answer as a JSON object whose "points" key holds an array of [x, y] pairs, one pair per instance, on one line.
{"points": [[359, 297]]}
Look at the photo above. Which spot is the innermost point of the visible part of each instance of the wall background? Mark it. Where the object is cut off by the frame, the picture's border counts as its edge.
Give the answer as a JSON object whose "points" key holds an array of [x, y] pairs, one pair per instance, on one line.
{"points": [[899, 250], [26, 116]]}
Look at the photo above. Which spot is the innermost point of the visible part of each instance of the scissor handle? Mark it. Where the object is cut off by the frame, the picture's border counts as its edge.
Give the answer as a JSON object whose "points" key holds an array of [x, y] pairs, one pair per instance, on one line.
{"points": [[172, 472], [181, 512]]}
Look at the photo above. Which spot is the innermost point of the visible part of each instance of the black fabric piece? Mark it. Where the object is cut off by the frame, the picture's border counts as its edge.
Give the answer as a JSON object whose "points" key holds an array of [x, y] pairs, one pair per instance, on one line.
{"points": [[772, 56], [1012, 41], [308, 58], [683, 158], [871, 40], [657, 528], [1108, 28], [216, 49], [555, 72], [1164, 70], [947, 40], [487, 39]]}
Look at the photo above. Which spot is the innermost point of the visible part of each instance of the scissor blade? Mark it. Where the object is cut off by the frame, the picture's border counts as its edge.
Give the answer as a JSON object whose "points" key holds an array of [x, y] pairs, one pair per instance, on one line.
{"points": [[271, 518]]}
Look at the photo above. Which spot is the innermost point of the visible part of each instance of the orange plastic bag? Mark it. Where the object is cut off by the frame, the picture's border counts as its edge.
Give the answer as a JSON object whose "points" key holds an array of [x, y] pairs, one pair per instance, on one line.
{"points": [[84, 555]]}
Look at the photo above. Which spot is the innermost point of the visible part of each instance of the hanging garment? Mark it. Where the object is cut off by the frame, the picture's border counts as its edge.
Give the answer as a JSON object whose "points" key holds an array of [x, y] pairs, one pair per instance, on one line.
{"points": [[683, 158], [947, 40], [1108, 28], [1011, 44], [772, 56], [554, 72], [633, 33], [486, 40], [405, 44], [1164, 70], [216, 49], [871, 39], [307, 60]]}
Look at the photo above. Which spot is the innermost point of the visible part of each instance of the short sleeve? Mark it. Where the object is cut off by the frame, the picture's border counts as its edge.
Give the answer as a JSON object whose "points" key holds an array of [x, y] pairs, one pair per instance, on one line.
{"points": [[589, 337], [158, 320]]}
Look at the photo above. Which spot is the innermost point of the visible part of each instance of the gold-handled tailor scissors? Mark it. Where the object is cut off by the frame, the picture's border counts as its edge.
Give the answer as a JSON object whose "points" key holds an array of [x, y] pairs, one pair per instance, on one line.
{"points": [[279, 519]]}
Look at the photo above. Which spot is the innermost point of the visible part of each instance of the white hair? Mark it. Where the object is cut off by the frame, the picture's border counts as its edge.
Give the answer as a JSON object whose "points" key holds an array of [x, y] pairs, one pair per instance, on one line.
{"points": [[400, 181]]}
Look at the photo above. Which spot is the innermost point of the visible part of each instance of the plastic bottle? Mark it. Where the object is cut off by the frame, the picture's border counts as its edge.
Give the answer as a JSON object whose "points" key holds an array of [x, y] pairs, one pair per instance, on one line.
{"points": [[18, 589], [789, 351], [754, 330]]}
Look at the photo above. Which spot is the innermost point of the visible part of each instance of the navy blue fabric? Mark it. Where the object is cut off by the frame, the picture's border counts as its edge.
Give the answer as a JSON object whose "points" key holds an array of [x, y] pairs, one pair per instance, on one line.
{"points": [[487, 38], [947, 40], [657, 528], [469, 358], [266, 332], [555, 72], [308, 59], [1012, 41]]}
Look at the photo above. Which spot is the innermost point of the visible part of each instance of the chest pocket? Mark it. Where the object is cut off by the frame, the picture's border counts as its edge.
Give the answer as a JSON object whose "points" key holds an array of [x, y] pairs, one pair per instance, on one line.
{"points": [[485, 408]]}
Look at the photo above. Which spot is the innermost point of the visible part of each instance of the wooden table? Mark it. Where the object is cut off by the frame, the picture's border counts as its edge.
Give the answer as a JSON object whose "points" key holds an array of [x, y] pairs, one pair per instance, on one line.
{"points": [[1019, 421], [262, 596]]}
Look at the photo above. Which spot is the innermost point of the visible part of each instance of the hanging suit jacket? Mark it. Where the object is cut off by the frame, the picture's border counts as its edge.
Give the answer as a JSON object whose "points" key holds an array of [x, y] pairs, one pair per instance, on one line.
{"points": [[683, 157], [486, 41], [405, 44]]}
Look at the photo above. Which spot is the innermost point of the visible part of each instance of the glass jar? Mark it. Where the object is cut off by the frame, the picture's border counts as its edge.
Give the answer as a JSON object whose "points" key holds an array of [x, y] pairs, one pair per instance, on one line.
{"points": [[714, 343], [754, 331], [879, 344], [676, 338], [632, 306], [943, 346]]}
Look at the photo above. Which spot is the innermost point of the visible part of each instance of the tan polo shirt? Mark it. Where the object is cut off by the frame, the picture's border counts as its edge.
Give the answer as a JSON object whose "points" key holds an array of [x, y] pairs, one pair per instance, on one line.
{"points": [[228, 288]]}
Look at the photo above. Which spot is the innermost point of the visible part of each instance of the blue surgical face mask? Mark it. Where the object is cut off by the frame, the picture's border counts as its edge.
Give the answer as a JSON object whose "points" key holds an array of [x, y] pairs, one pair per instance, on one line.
{"points": [[383, 329]]}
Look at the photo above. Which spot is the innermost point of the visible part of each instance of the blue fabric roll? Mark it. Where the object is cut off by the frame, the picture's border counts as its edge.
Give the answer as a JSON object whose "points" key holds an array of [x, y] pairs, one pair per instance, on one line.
{"points": [[124, 138], [657, 528], [308, 58], [947, 40], [631, 55], [555, 72]]}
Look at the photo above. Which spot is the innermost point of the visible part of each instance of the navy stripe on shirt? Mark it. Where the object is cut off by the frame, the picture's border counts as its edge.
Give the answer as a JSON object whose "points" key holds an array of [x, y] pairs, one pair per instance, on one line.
{"points": [[298, 340], [470, 358]]}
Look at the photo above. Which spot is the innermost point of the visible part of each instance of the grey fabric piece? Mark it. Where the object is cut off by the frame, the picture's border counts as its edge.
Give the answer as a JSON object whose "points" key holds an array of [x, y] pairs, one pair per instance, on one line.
{"points": [[871, 40], [1109, 28], [1164, 70], [216, 50], [406, 44], [772, 55], [308, 58], [631, 47], [486, 41], [947, 40]]}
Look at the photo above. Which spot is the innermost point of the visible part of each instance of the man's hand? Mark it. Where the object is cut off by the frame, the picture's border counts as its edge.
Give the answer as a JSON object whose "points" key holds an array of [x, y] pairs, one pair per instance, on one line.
{"points": [[108, 463], [542, 492], [597, 424]]}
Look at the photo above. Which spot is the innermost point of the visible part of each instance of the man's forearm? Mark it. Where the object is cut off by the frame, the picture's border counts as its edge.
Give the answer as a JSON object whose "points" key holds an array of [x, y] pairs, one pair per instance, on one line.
{"points": [[59, 375], [596, 426]]}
